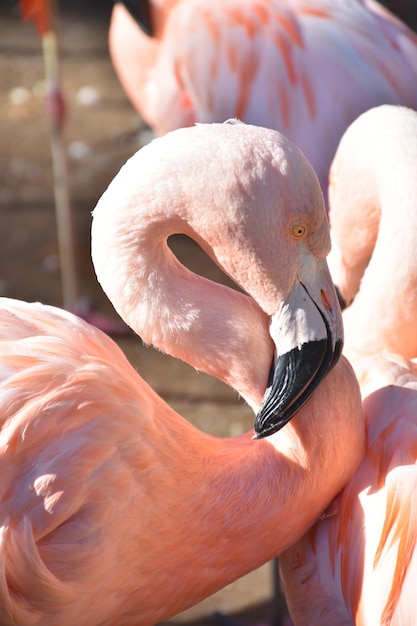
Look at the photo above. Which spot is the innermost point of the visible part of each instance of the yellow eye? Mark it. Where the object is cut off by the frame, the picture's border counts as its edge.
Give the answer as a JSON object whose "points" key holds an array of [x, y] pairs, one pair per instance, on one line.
{"points": [[298, 230]]}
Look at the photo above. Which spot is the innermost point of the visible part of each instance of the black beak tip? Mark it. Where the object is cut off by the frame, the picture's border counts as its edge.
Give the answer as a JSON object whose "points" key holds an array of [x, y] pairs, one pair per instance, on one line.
{"points": [[264, 430], [291, 383]]}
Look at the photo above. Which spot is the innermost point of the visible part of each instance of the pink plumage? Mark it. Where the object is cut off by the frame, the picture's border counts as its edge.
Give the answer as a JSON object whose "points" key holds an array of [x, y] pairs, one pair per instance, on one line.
{"points": [[114, 509], [373, 217], [307, 68], [358, 565]]}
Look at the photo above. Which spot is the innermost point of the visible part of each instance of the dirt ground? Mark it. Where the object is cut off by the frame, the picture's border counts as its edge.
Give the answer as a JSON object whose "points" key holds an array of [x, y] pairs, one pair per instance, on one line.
{"points": [[101, 131]]}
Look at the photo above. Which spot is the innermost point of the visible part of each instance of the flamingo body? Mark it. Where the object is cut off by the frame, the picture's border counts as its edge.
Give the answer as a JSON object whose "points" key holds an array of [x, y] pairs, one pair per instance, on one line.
{"points": [[114, 509], [305, 68], [373, 217], [358, 565]]}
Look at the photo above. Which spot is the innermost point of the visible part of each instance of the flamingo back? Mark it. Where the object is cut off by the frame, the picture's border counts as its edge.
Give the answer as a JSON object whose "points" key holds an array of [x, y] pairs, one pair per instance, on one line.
{"points": [[307, 69]]}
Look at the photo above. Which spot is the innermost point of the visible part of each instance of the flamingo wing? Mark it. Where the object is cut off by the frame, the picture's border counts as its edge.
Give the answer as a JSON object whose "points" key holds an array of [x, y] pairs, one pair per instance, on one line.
{"points": [[290, 66], [67, 464]]}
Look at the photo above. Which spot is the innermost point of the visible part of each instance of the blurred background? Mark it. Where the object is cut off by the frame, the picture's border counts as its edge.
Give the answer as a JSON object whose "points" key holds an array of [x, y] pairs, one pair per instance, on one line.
{"points": [[101, 131]]}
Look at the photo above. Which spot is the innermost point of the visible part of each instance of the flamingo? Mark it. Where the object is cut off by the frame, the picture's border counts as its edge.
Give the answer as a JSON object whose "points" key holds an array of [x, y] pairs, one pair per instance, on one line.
{"points": [[373, 217], [114, 508], [307, 68], [358, 565]]}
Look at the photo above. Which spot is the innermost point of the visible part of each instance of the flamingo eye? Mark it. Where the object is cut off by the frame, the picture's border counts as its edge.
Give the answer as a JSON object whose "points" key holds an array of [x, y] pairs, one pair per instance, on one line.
{"points": [[298, 230]]}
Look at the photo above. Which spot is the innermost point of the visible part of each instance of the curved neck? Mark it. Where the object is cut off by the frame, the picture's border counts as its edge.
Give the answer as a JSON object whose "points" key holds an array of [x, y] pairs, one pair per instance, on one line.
{"points": [[268, 491], [212, 327], [373, 219], [383, 310]]}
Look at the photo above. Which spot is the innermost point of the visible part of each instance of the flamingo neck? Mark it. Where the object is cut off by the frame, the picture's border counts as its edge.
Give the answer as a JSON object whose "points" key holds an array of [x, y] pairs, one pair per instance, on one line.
{"points": [[372, 194], [251, 489], [387, 289], [214, 328]]}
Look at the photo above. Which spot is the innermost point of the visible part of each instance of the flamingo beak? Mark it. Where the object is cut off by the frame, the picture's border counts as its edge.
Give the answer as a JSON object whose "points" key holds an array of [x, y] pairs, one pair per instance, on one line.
{"points": [[342, 301], [308, 329]]}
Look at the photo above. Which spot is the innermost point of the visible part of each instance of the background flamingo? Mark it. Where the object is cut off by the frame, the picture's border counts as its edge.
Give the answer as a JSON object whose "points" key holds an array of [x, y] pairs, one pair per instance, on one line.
{"points": [[359, 564], [305, 67], [373, 200], [110, 498]]}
